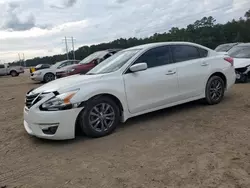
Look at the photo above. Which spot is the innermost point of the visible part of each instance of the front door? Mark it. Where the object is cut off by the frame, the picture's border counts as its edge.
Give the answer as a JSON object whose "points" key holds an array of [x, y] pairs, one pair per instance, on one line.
{"points": [[154, 87]]}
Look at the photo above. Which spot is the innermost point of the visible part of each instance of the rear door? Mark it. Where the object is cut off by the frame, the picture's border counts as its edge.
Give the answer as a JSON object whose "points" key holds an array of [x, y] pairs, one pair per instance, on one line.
{"points": [[192, 69]]}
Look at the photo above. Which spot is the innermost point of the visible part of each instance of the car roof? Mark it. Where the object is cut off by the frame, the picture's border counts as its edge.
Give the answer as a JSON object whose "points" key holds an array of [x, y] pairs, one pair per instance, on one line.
{"points": [[229, 43], [112, 50], [67, 60], [151, 45], [244, 44]]}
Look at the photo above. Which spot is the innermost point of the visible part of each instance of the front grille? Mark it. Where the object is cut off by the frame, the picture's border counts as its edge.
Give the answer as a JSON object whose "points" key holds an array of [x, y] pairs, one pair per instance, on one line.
{"points": [[32, 99], [241, 70]]}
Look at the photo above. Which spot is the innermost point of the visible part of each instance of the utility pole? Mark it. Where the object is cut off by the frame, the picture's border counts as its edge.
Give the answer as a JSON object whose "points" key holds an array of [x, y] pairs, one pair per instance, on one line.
{"points": [[19, 59], [66, 45], [24, 62], [71, 40], [73, 48]]}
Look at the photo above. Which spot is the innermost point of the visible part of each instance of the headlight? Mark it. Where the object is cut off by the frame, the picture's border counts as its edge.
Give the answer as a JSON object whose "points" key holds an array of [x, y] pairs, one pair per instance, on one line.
{"points": [[59, 102], [71, 70], [38, 73]]}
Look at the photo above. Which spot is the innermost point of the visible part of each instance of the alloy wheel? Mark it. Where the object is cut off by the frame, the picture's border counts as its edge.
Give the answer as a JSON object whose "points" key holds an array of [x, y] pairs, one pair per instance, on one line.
{"points": [[216, 90], [101, 117], [49, 77]]}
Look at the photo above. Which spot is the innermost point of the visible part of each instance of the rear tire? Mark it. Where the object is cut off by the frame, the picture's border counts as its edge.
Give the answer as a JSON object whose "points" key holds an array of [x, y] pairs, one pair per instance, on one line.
{"points": [[48, 77], [215, 90], [100, 117], [14, 73]]}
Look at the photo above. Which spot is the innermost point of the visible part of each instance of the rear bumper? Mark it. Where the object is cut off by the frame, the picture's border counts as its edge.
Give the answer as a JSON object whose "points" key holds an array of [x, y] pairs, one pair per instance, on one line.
{"points": [[231, 77]]}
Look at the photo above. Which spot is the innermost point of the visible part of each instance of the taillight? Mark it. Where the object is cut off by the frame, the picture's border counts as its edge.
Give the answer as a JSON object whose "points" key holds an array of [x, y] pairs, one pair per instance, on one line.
{"points": [[229, 60]]}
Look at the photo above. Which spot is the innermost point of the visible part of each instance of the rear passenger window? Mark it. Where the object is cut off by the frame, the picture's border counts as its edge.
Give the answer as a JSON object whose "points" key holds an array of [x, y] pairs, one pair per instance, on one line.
{"points": [[2, 66], [156, 57], [203, 52], [184, 53]]}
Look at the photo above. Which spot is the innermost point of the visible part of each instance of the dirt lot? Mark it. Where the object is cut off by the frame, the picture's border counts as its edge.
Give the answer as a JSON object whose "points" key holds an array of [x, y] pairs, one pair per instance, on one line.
{"points": [[189, 146]]}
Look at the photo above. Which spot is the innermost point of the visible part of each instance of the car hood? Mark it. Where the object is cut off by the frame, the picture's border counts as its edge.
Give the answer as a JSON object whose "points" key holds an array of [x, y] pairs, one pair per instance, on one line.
{"points": [[241, 62], [223, 53], [67, 83], [45, 70]]}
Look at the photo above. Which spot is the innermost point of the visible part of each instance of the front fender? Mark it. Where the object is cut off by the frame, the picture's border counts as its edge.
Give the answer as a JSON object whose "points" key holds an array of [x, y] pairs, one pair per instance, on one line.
{"points": [[115, 89]]}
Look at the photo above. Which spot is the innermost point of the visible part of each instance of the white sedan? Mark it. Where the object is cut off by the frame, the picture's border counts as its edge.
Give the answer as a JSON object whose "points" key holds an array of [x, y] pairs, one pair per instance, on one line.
{"points": [[134, 81], [48, 74], [241, 55]]}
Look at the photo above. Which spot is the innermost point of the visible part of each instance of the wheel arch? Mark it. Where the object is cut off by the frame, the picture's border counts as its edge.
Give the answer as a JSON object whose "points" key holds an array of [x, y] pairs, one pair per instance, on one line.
{"points": [[49, 73], [12, 71], [111, 96], [221, 75]]}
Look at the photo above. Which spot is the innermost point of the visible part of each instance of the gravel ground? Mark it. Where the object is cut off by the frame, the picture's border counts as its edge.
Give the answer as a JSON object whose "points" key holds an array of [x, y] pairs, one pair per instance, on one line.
{"points": [[189, 146]]}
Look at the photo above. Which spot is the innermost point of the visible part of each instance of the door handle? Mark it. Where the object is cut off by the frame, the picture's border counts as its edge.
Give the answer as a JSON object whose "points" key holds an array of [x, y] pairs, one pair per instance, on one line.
{"points": [[204, 64], [170, 72]]}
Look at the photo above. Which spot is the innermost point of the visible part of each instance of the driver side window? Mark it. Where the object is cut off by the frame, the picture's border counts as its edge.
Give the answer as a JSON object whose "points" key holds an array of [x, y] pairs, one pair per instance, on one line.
{"points": [[62, 65], [155, 57]]}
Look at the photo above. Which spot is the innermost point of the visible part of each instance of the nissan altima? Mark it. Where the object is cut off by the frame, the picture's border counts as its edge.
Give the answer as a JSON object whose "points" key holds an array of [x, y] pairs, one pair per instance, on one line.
{"points": [[132, 82]]}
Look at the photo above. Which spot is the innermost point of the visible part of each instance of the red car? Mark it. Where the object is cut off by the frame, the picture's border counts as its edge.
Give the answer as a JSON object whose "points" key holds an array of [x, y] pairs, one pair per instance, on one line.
{"points": [[86, 64]]}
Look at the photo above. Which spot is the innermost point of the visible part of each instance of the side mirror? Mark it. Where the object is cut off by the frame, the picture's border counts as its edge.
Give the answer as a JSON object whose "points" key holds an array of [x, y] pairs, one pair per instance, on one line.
{"points": [[138, 67], [96, 61]]}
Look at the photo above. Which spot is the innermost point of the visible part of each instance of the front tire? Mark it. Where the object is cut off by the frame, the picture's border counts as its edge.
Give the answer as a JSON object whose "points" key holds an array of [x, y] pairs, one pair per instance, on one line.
{"points": [[215, 90], [48, 77], [100, 117]]}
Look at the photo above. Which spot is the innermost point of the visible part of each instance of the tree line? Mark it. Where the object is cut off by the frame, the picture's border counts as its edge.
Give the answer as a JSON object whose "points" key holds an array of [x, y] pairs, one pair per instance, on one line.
{"points": [[204, 31]]}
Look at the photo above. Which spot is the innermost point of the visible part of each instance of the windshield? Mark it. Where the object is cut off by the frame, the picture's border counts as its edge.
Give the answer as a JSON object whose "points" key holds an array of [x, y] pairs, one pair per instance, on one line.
{"points": [[38, 66], [224, 47], [93, 56], [240, 52], [113, 63], [56, 65]]}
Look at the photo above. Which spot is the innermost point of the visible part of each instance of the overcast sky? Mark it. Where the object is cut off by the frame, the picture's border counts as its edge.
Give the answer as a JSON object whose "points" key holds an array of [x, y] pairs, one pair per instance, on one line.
{"points": [[37, 27]]}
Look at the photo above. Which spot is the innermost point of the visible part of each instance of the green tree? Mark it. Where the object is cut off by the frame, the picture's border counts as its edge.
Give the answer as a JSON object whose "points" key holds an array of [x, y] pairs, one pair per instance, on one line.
{"points": [[204, 31], [247, 14]]}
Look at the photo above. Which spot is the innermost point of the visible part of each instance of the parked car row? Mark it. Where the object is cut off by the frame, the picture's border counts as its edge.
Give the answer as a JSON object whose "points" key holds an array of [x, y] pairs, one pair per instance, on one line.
{"points": [[241, 54], [131, 82], [48, 74], [6, 69], [86, 64], [70, 67]]}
